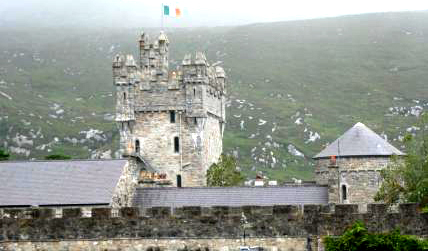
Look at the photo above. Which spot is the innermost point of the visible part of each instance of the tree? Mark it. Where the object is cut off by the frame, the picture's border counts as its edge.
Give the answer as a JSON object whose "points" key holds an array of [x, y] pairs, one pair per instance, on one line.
{"points": [[57, 157], [406, 180], [4, 155], [224, 173], [357, 238]]}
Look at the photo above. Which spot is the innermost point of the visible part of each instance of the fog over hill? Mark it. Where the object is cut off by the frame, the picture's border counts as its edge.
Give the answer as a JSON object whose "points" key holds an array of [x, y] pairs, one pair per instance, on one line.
{"points": [[293, 86], [195, 13]]}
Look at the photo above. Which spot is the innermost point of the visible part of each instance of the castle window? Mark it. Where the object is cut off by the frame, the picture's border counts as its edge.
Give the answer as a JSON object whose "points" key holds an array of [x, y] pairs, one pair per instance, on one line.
{"points": [[195, 120], [344, 193], [172, 116], [179, 180], [194, 92], [176, 145], [124, 96], [137, 146]]}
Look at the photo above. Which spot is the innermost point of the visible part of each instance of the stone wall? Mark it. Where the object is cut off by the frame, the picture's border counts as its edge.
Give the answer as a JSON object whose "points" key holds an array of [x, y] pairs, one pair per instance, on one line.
{"points": [[200, 145], [291, 224], [360, 176], [125, 189], [159, 97], [164, 244]]}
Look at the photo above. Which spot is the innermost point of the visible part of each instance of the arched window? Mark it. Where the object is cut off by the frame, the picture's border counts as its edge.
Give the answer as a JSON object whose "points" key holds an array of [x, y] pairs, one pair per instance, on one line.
{"points": [[124, 96], [194, 91], [344, 193], [137, 146]]}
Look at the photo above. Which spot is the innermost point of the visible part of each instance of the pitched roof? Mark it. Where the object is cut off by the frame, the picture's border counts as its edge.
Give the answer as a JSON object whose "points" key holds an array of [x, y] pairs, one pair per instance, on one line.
{"points": [[58, 182], [359, 141], [230, 196]]}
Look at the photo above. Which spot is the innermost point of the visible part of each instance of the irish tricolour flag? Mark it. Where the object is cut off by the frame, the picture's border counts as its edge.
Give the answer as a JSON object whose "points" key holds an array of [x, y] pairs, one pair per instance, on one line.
{"points": [[172, 11]]}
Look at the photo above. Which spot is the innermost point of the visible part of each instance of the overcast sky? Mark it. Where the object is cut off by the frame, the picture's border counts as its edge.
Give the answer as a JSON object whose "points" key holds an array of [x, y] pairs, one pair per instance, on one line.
{"points": [[138, 13]]}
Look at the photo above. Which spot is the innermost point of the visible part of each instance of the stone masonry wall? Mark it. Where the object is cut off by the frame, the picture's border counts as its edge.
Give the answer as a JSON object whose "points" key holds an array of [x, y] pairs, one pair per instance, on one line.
{"points": [[156, 135], [164, 244], [200, 145], [360, 175], [159, 97], [125, 189], [274, 224]]}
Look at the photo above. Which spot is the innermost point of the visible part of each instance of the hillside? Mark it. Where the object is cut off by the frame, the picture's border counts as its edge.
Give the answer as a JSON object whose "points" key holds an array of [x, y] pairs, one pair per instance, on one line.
{"points": [[293, 86]]}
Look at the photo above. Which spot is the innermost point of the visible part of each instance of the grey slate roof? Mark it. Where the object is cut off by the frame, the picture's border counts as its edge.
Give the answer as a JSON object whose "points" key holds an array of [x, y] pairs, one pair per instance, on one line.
{"points": [[58, 182], [359, 141], [230, 196]]}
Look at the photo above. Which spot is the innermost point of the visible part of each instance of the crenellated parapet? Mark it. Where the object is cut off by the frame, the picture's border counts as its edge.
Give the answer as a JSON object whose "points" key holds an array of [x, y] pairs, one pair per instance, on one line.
{"points": [[213, 222]]}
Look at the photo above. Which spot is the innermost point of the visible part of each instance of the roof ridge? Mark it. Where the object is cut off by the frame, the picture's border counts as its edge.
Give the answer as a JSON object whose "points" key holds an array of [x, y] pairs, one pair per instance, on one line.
{"points": [[63, 160]]}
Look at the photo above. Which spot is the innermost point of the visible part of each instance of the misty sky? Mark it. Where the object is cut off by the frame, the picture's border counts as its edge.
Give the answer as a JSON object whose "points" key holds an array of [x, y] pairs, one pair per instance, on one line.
{"points": [[143, 13]]}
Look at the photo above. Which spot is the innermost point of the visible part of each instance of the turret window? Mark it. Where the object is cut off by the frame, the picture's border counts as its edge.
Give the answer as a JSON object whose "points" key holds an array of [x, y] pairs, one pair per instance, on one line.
{"points": [[137, 146], [179, 180], [172, 116], [176, 144], [344, 193]]}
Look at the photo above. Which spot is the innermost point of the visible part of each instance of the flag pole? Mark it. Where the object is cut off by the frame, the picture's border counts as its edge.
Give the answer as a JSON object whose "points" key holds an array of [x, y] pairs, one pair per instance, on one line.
{"points": [[162, 10]]}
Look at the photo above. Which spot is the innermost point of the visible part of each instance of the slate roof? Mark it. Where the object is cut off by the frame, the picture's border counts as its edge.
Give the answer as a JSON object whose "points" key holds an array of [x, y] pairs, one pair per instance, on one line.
{"points": [[58, 182], [230, 196], [359, 141]]}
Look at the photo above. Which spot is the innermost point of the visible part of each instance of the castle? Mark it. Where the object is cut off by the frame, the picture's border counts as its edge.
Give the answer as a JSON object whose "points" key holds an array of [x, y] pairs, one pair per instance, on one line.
{"points": [[170, 121], [171, 127]]}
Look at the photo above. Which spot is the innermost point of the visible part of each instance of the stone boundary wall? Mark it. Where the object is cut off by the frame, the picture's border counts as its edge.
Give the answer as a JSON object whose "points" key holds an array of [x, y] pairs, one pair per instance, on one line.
{"points": [[163, 244], [195, 222]]}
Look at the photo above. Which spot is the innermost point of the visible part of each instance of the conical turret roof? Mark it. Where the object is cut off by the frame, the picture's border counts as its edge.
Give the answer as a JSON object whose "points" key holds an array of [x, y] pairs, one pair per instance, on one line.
{"points": [[359, 141]]}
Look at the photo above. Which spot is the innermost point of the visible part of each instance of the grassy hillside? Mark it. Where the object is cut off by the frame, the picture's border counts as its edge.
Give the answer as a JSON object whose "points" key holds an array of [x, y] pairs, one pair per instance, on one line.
{"points": [[293, 86]]}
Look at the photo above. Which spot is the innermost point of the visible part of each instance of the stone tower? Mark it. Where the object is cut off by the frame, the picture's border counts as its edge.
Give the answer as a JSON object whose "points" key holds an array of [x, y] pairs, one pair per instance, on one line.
{"points": [[351, 165], [172, 121]]}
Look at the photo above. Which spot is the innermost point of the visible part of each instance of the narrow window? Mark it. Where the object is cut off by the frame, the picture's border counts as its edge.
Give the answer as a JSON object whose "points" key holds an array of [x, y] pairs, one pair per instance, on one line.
{"points": [[195, 120], [172, 116], [137, 146], [124, 96], [176, 145], [179, 180], [344, 193], [194, 92]]}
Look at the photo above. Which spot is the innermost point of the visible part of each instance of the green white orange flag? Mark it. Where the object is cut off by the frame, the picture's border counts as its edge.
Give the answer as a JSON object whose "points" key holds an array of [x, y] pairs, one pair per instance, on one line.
{"points": [[171, 11]]}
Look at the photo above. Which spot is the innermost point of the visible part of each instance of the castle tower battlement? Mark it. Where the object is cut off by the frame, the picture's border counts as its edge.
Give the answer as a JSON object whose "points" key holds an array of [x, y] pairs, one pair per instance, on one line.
{"points": [[173, 120]]}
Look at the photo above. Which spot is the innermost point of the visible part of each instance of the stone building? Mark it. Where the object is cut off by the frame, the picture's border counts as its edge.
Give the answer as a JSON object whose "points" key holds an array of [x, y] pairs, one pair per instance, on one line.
{"points": [[169, 121], [351, 165], [171, 127]]}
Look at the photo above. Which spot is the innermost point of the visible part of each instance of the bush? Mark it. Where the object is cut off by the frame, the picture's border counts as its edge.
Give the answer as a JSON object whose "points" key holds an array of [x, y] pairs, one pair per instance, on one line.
{"points": [[357, 238], [4, 155], [57, 157], [224, 173]]}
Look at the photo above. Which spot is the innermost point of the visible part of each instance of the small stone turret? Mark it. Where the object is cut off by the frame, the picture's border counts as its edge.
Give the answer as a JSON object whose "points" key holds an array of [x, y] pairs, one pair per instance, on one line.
{"points": [[173, 121], [351, 165]]}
